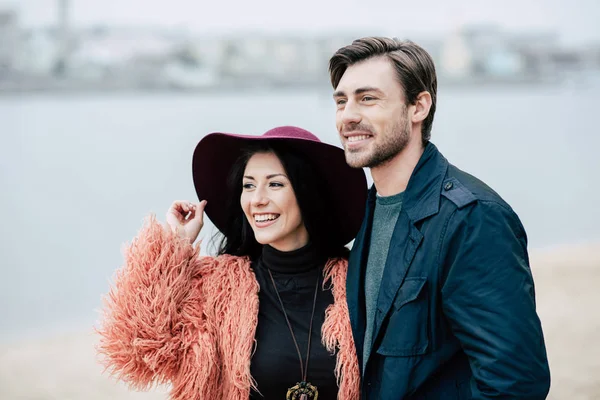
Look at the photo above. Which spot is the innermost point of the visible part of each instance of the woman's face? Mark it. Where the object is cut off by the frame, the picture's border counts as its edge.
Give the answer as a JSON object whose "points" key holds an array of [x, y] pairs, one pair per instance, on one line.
{"points": [[270, 205]]}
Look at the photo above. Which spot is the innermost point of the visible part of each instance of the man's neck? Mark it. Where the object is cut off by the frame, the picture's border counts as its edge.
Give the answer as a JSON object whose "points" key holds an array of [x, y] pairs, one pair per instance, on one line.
{"points": [[392, 177]]}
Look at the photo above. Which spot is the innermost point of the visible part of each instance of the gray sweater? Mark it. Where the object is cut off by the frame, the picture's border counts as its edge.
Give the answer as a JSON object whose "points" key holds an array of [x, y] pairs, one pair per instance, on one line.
{"points": [[387, 210]]}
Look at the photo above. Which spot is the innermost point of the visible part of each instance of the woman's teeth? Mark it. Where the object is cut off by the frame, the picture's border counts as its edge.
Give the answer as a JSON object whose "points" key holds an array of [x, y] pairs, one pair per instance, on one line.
{"points": [[265, 217]]}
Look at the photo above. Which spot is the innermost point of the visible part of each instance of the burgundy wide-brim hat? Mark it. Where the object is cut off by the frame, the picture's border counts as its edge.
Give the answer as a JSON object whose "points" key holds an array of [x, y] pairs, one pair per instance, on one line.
{"points": [[217, 152]]}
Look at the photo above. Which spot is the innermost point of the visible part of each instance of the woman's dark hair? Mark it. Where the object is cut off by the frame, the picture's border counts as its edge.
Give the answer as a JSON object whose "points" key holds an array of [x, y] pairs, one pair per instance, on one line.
{"points": [[310, 190]]}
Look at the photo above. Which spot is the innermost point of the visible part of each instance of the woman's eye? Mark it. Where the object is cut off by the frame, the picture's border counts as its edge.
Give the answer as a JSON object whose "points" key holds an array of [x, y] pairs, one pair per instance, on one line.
{"points": [[247, 186], [276, 184]]}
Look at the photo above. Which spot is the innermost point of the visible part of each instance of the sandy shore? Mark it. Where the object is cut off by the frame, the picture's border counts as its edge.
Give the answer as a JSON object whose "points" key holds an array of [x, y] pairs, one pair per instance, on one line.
{"points": [[568, 297]]}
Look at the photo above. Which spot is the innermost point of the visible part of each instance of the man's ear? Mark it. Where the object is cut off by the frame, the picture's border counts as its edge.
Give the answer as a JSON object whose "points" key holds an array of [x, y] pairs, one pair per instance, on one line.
{"points": [[422, 106]]}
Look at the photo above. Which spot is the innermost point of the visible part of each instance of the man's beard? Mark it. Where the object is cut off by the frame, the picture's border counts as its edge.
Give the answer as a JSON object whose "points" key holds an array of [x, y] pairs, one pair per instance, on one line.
{"points": [[387, 145]]}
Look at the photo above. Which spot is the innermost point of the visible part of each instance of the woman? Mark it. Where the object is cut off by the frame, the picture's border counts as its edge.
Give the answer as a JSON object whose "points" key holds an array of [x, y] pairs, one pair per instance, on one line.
{"points": [[265, 318]]}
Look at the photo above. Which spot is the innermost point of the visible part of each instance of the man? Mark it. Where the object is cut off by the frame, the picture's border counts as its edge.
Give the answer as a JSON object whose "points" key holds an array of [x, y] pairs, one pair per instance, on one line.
{"points": [[440, 292]]}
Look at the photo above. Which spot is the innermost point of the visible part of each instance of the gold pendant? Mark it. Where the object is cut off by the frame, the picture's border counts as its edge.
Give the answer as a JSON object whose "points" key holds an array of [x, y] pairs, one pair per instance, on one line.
{"points": [[302, 391]]}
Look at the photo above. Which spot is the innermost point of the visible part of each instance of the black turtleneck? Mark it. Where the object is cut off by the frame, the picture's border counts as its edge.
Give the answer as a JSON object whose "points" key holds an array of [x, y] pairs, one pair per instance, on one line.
{"points": [[275, 365]]}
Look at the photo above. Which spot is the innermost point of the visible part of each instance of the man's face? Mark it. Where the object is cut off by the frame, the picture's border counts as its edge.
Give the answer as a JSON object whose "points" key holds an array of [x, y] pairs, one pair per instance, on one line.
{"points": [[371, 117]]}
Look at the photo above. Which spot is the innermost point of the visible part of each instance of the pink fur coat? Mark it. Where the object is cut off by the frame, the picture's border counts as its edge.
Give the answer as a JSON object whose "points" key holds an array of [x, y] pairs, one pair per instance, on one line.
{"points": [[173, 316]]}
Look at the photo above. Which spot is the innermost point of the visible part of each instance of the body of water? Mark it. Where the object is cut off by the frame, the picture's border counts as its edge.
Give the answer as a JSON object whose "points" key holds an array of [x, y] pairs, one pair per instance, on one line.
{"points": [[79, 173]]}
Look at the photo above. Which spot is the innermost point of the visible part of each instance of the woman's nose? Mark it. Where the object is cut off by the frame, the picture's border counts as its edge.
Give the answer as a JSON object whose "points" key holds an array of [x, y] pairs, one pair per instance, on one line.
{"points": [[259, 198]]}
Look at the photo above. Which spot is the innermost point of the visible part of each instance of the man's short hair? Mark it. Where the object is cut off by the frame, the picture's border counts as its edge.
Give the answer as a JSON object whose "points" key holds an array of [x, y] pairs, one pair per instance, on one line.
{"points": [[413, 64]]}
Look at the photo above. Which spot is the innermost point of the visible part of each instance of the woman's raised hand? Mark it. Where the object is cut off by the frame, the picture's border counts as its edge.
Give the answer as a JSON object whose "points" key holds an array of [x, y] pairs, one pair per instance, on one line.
{"points": [[186, 219]]}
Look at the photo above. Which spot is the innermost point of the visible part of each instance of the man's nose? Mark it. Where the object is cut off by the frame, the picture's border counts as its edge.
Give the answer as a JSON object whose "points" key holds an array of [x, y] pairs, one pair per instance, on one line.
{"points": [[350, 114]]}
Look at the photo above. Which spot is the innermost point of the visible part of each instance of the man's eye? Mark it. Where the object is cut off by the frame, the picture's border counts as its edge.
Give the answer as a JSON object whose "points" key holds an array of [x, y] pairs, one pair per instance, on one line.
{"points": [[368, 98], [340, 102]]}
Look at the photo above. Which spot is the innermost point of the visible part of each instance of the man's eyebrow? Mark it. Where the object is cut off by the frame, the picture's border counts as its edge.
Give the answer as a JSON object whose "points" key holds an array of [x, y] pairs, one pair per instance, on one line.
{"points": [[367, 89], [361, 90]]}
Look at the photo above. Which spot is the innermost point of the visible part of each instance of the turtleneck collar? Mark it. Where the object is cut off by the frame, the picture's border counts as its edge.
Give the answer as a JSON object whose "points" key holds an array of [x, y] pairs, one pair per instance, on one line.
{"points": [[300, 260]]}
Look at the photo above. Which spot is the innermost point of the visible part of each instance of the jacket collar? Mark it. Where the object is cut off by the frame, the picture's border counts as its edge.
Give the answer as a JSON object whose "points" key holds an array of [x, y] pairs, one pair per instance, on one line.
{"points": [[422, 194]]}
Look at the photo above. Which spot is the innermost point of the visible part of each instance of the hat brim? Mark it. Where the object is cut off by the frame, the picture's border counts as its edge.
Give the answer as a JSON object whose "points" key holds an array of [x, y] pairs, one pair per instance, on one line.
{"points": [[217, 152]]}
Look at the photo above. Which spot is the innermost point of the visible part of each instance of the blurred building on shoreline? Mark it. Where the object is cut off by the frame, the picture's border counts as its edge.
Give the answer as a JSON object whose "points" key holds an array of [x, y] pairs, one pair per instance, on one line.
{"points": [[64, 58]]}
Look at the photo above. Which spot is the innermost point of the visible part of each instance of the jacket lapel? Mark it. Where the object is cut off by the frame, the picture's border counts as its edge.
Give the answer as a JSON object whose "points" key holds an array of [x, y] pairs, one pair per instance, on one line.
{"points": [[421, 200], [406, 238], [355, 282]]}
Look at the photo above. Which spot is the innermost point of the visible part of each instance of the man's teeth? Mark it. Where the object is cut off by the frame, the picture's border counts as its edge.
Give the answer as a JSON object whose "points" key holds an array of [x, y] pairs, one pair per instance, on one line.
{"points": [[265, 217], [357, 138]]}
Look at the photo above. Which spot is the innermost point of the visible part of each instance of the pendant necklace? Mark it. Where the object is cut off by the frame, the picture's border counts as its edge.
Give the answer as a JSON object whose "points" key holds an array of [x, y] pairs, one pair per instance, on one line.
{"points": [[303, 390]]}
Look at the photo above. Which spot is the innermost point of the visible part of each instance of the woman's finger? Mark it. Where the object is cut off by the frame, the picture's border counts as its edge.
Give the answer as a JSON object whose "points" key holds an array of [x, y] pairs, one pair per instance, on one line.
{"points": [[199, 211]]}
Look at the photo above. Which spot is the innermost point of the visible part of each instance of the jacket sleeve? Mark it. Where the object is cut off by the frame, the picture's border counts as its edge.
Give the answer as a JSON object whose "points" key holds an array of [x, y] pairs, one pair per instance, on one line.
{"points": [[152, 314], [488, 297]]}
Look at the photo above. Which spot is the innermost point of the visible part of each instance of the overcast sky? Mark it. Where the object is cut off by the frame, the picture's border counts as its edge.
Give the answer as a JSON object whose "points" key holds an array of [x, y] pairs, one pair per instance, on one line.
{"points": [[575, 20]]}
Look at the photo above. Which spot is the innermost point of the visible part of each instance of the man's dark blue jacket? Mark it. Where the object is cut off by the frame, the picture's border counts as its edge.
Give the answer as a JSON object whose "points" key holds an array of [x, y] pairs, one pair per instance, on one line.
{"points": [[456, 315]]}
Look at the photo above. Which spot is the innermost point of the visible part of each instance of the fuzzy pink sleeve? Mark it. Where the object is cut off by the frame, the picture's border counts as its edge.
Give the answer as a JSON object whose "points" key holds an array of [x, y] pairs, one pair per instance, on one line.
{"points": [[153, 315]]}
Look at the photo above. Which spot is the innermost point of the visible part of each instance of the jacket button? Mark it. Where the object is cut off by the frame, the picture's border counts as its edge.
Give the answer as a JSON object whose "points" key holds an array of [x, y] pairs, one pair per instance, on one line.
{"points": [[448, 185]]}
